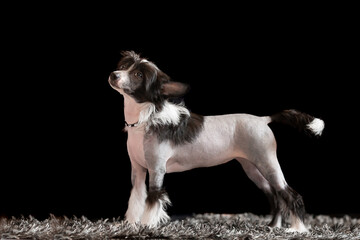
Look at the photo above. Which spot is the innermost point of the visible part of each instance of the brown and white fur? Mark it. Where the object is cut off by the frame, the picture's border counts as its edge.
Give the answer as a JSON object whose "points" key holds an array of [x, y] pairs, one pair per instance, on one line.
{"points": [[165, 137]]}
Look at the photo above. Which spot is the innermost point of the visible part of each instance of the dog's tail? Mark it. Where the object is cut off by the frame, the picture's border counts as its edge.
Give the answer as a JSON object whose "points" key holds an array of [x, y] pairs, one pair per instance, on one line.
{"points": [[300, 121]]}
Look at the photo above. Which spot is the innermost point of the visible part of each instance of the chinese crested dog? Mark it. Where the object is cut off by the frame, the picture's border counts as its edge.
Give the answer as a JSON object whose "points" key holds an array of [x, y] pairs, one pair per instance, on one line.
{"points": [[164, 137]]}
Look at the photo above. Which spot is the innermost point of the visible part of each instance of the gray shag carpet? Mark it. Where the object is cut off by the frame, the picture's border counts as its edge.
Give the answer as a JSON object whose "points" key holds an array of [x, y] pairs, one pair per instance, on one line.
{"points": [[205, 226]]}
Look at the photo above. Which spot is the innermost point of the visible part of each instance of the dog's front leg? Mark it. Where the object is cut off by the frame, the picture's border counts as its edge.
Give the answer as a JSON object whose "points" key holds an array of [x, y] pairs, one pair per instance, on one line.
{"points": [[138, 194], [156, 201]]}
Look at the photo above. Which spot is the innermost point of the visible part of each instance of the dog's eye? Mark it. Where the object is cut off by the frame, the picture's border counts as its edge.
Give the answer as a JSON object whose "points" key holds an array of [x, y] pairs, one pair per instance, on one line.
{"points": [[122, 67], [139, 74]]}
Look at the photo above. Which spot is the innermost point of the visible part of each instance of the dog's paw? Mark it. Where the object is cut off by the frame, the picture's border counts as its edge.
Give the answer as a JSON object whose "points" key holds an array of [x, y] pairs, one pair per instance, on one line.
{"points": [[301, 229]]}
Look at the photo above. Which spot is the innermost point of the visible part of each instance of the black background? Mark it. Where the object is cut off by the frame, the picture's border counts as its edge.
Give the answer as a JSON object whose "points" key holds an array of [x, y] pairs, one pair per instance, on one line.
{"points": [[63, 149]]}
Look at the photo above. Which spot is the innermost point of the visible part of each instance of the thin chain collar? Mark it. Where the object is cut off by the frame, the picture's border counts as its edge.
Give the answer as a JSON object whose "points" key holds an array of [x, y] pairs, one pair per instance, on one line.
{"points": [[131, 125]]}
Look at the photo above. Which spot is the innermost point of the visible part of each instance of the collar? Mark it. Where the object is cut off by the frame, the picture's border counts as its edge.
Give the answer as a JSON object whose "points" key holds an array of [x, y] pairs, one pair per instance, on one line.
{"points": [[131, 125]]}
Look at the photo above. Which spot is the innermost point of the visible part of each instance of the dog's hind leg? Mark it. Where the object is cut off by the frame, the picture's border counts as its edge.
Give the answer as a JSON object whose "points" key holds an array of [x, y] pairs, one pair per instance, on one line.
{"points": [[289, 201], [138, 194], [253, 173]]}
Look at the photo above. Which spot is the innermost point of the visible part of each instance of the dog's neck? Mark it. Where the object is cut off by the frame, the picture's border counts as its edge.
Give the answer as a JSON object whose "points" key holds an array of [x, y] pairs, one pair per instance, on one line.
{"points": [[132, 110]]}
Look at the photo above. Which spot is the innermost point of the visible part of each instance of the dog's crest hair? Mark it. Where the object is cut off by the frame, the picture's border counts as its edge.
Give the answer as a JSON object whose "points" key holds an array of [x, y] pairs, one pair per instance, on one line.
{"points": [[132, 54], [169, 114], [173, 122]]}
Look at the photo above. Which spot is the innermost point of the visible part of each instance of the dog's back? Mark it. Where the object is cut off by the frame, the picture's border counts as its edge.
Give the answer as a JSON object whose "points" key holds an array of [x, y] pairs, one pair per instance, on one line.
{"points": [[223, 138]]}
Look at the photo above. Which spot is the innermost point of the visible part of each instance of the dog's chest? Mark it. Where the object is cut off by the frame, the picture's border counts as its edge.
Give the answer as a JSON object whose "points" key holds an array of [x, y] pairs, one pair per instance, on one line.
{"points": [[135, 146]]}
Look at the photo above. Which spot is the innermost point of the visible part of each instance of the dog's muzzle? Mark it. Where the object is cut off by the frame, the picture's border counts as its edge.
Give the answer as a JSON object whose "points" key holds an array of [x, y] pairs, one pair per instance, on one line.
{"points": [[114, 76]]}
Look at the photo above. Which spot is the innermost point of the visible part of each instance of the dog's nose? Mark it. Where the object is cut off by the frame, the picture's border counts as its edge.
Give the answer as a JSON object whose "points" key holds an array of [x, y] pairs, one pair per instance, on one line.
{"points": [[114, 76]]}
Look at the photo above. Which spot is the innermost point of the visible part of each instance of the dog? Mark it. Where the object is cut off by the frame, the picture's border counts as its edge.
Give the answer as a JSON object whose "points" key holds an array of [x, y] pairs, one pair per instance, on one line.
{"points": [[164, 137]]}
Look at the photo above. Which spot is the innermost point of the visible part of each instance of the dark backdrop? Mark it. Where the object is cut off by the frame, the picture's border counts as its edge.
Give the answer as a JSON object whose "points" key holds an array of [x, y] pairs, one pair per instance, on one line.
{"points": [[63, 148]]}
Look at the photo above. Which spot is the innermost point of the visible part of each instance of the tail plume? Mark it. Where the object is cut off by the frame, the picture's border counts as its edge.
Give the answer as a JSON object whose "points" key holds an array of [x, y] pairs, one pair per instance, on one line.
{"points": [[299, 120]]}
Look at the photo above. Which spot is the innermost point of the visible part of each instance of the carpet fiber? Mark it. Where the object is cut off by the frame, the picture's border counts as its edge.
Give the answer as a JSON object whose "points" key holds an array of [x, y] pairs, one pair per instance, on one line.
{"points": [[205, 226]]}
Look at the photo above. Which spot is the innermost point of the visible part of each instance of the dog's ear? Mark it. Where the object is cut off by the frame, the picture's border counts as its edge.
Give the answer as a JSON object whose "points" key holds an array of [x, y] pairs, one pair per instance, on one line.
{"points": [[169, 88], [174, 89]]}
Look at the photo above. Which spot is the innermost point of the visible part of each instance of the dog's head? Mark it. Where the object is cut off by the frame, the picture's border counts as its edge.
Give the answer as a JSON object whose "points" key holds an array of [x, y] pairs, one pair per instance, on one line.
{"points": [[143, 80]]}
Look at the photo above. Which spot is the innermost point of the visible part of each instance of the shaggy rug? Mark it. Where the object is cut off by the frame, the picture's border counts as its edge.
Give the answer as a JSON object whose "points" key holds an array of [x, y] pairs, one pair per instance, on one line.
{"points": [[206, 226]]}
